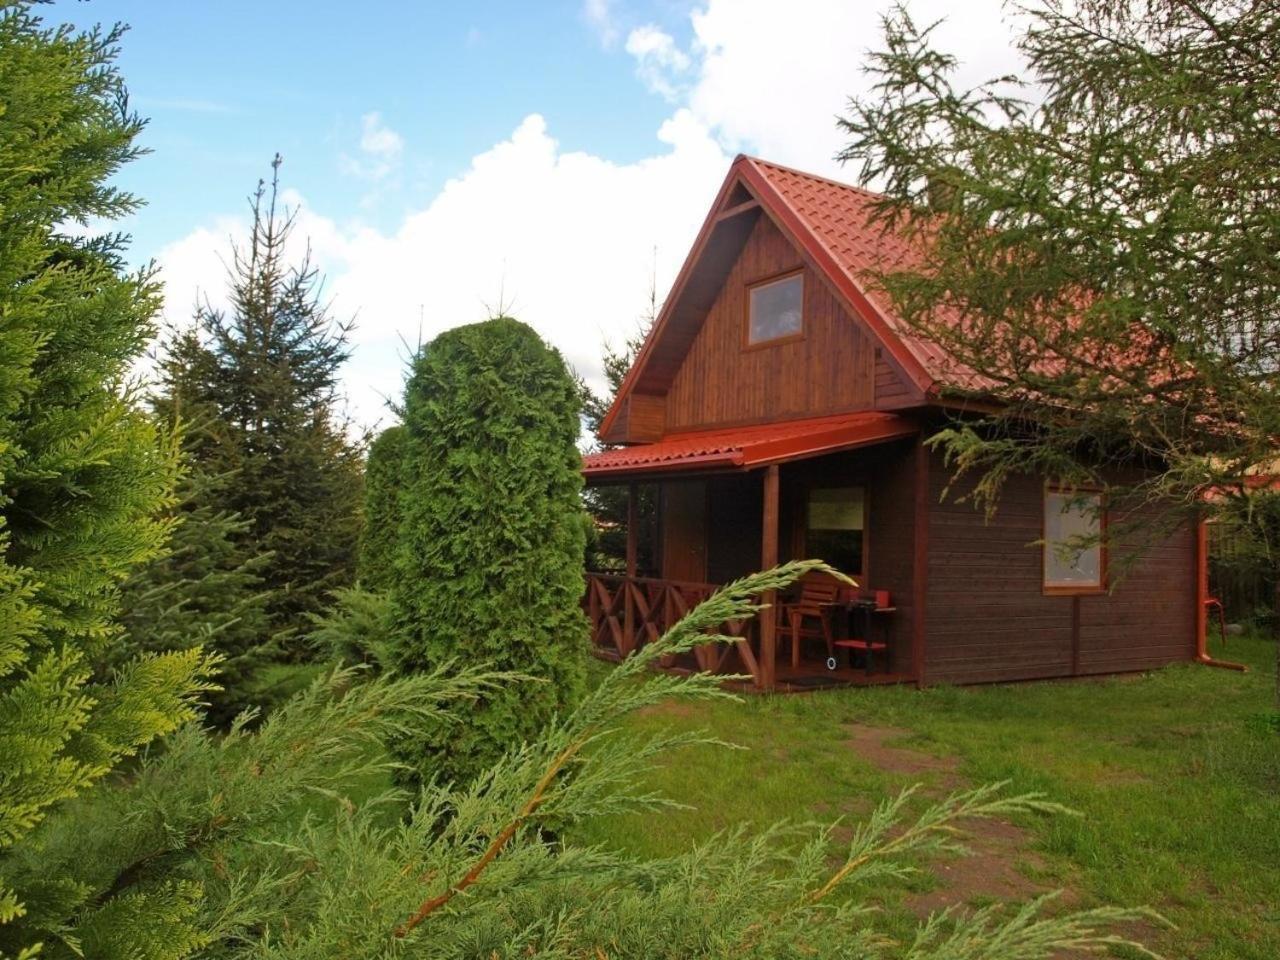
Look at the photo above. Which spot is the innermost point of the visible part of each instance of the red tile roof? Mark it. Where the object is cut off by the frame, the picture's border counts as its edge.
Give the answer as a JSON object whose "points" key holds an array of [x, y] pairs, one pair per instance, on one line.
{"points": [[838, 219], [831, 222], [743, 447]]}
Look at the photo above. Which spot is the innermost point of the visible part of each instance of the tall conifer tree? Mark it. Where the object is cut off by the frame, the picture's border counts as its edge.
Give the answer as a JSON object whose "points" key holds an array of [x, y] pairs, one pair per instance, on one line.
{"points": [[263, 374], [204, 591]]}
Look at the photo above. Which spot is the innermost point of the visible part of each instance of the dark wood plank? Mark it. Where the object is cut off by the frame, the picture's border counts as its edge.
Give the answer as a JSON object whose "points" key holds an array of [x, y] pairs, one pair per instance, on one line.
{"points": [[721, 380]]}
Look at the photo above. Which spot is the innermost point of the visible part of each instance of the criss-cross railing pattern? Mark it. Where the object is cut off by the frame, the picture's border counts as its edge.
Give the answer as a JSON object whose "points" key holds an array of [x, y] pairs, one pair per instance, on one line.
{"points": [[627, 612]]}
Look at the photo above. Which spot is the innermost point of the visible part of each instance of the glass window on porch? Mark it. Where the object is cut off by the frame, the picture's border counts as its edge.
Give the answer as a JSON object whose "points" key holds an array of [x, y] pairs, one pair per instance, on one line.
{"points": [[836, 522]]}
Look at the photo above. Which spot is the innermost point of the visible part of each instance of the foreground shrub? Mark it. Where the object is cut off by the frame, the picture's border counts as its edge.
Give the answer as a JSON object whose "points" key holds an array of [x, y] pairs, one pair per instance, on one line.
{"points": [[489, 563], [272, 844], [85, 476]]}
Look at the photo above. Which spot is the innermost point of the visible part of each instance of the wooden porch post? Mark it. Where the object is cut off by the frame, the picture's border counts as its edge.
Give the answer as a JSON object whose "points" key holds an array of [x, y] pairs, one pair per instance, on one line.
{"points": [[633, 512], [769, 558], [629, 607]]}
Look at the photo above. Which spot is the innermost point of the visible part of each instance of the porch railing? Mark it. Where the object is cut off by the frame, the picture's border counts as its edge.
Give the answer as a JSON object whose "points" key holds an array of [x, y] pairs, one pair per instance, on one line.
{"points": [[627, 612]]}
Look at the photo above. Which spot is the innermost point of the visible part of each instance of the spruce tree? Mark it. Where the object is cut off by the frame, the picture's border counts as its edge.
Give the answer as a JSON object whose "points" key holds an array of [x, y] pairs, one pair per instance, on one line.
{"points": [[263, 374], [489, 564], [205, 590], [84, 473]]}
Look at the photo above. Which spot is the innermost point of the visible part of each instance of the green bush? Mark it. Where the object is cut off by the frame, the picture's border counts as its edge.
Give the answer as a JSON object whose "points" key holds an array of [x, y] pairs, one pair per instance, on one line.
{"points": [[381, 510], [359, 628], [489, 564]]}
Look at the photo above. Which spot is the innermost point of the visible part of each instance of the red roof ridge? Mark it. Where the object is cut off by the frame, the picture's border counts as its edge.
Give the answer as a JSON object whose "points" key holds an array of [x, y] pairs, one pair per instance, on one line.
{"points": [[819, 178]]}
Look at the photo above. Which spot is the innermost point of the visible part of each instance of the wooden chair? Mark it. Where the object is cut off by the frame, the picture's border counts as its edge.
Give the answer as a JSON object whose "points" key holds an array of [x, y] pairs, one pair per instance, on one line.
{"points": [[816, 601]]}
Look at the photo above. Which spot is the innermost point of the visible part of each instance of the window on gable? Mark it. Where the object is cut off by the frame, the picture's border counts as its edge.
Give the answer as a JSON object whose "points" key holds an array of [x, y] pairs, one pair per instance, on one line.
{"points": [[775, 309], [1070, 518]]}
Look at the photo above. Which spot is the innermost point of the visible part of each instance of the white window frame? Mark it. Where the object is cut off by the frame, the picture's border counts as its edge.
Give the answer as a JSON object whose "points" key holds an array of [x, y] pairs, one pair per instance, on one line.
{"points": [[1089, 505], [796, 276]]}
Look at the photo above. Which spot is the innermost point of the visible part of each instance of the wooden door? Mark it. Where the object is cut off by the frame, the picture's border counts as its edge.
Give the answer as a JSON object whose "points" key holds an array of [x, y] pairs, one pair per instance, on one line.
{"points": [[684, 530]]}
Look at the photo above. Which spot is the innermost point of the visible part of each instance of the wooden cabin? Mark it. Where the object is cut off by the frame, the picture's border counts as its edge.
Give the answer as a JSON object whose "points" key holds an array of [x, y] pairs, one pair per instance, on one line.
{"points": [[777, 410]]}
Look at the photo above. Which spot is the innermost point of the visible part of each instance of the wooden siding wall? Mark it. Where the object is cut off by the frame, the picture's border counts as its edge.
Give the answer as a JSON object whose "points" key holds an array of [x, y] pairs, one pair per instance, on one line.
{"points": [[892, 392], [684, 530], [987, 618], [832, 369]]}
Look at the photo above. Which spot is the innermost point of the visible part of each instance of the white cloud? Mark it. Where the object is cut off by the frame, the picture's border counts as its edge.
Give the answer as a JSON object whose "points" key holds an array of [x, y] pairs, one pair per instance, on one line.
{"points": [[380, 150], [602, 17], [566, 239], [659, 62], [773, 85]]}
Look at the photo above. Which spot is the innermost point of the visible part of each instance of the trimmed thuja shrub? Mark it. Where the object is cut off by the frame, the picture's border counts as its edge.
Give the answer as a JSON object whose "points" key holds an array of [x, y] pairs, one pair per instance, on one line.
{"points": [[489, 563], [381, 510]]}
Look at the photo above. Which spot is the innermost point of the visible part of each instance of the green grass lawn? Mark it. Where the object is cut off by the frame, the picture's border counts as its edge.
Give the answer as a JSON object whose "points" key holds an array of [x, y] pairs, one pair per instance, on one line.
{"points": [[1176, 775]]}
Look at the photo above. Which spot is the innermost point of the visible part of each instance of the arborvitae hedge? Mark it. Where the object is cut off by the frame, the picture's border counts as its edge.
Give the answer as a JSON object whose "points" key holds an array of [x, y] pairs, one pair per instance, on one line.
{"points": [[489, 567], [381, 510]]}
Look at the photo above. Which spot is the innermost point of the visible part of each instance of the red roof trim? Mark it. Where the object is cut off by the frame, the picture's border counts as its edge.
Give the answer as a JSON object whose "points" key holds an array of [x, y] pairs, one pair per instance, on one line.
{"points": [[750, 446], [673, 297]]}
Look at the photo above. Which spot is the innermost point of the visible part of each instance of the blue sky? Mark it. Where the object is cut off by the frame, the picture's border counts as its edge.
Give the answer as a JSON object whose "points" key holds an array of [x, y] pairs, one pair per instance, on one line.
{"points": [[552, 158], [227, 84]]}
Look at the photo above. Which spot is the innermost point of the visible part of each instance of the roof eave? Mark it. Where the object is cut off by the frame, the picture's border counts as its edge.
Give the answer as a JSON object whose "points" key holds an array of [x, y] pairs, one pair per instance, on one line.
{"points": [[726, 459], [673, 296]]}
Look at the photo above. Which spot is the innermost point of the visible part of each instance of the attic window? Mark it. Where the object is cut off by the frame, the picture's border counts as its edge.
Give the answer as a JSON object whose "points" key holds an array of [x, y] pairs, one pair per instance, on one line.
{"points": [[775, 310]]}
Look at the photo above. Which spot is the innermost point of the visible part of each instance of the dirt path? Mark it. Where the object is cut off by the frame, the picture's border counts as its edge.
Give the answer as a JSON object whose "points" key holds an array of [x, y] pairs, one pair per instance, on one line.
{"points": [[998, 848], [1001, 853]]}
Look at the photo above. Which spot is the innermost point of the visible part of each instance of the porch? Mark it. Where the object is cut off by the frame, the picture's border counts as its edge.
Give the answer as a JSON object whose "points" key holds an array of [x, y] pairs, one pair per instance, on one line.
{"points": [[720, 506], [627, 612]]}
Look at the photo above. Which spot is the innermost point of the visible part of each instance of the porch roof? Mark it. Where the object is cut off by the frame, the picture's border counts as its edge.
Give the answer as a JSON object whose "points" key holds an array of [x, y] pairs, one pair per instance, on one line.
{"points": [[751, 446]]}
